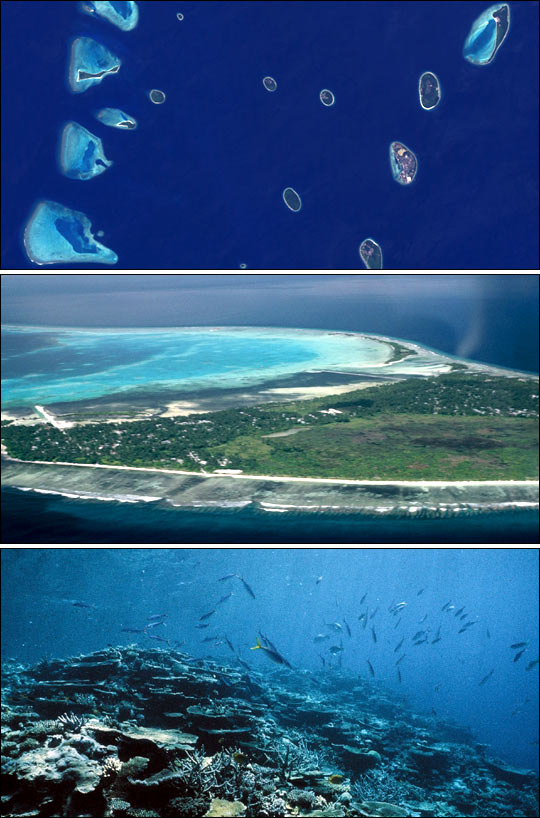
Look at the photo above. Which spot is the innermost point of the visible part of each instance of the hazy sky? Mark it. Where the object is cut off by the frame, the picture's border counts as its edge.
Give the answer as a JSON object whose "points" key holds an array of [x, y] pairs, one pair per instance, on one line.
{"points": [[488, 317]]}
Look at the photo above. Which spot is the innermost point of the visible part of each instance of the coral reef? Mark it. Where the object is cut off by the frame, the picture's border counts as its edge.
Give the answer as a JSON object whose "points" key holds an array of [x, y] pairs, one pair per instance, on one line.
{"points": [[129, 733]]}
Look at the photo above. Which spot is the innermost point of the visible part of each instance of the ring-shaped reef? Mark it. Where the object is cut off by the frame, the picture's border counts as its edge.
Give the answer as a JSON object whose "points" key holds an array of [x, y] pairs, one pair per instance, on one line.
{"points": [[371, 254], [487, 34], [429, 90], [115, 118], [327, 98], [403, 163], [81, 153], [157, 97], [269, 83], [89, 63], [292, 199], [123, 15], [55, 234]]}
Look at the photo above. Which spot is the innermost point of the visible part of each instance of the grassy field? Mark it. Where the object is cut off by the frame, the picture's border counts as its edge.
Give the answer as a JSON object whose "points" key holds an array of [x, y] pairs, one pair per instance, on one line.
{"points": [[387, 447]]}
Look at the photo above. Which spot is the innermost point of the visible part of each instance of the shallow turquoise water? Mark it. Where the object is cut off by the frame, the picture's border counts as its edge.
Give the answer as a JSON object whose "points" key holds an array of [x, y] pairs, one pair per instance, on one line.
{"points": [[67, 365]]}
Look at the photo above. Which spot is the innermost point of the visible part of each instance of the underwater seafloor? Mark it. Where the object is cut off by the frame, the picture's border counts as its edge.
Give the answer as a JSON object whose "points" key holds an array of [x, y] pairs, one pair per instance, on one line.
{"points": [[127, 731]]}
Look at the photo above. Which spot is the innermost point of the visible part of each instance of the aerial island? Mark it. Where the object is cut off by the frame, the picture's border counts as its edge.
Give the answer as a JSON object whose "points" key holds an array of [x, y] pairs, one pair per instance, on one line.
{"points": [[124, 16], [115, 118], [81, 153], [403, 163], [90, 62], [487, 35], [55, 234], [371, 254], [413, 432], [429, 90]]}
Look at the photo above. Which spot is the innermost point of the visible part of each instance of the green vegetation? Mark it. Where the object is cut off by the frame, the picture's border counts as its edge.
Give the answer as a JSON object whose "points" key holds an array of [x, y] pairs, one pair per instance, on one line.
{"points": [[448, 427]]}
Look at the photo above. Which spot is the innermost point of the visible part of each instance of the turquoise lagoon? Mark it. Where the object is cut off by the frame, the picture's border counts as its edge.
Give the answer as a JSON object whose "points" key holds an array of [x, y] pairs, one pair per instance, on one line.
{"points": [[123, 15], [49, 365], [89, 63], [115, 118], [81, 153], [56, 234], [487, 34]]}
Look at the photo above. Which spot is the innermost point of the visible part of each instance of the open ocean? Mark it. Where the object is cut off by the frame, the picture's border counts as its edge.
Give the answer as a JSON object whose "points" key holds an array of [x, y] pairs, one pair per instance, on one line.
{"points": [[199, 184]]}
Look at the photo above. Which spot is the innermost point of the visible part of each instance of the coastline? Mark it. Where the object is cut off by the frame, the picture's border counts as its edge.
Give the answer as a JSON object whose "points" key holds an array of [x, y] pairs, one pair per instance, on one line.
{"points": [[184, 489]]}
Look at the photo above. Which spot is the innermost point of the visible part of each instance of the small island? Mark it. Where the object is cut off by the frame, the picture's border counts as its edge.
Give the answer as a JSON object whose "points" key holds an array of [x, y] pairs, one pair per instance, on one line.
{"points": [[81, 153], [157, 96], [115, 118], [487, 34], [292, 199], [327, 98], [269, 83], [56, 234], [124, 16], [429, 90], [403, 162], [89, 63], [371, 254]]}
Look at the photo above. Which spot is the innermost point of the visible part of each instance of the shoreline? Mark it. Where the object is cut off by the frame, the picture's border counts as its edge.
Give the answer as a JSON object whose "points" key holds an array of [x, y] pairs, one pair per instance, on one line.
{"points": [[186, 490]]}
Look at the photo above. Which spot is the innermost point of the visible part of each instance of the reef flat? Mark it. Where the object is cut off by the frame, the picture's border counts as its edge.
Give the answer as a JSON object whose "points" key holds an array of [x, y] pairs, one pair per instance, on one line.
{"points": [[487, 35], [81, 153], [134, 732], [90, 62], [371, 254], [115, 118], [191, 490], [124, 15], [55, 234]]}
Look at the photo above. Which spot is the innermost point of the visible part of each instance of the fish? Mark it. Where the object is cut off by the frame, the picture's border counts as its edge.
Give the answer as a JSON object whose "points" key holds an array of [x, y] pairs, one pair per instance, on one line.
{"points": [[206, 625], [207, 615], [336, 778], [240, 758], [321, 637], [318, 580], [246, 586], [224, 598], [459, 611], [401, 658], [437, 636], [532, 664], [155, 624], [418, 634], [335, 650], [445, 606], [227, 576], [517, 645], [271, 652], [347, 626], [132, 630], [363, 598], [244, 664], [374, 612], [157, 638], [370, 667], [437, 687], [488, 633], [323, 660], [335, 626], [78, 604], [423, 619], [210, 638], [421, 642], [373, 634], [155, 617], [399, 675], [520, 653], [464, 616], [229, 643], [399, 644], [397, 623], [421, 591], [485, 679]]}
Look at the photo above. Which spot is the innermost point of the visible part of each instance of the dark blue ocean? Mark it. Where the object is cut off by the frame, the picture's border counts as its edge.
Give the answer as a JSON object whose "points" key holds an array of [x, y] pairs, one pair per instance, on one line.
{"points": [[198, 185], [497, 588]]}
